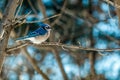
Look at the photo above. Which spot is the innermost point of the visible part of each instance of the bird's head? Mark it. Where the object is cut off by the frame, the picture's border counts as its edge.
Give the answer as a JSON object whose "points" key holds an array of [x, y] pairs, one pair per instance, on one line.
{"points": [[45, 26]]}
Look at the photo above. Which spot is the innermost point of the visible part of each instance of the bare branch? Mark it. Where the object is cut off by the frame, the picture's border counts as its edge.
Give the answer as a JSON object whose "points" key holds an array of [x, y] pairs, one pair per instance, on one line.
{"points": [[8, 16], [34, 64], [62, 10], [19, 9], [111, 3], [56, 53], [43, 20], [42, 8], [32, 7], [52, 44]]}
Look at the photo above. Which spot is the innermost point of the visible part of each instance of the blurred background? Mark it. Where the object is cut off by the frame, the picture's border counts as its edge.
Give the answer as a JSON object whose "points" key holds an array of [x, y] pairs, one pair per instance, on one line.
{"points": [[85, 23]]}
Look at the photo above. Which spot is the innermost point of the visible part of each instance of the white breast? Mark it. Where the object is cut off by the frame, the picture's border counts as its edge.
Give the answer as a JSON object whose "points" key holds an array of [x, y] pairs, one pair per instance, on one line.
{"points": [[39, 39]]}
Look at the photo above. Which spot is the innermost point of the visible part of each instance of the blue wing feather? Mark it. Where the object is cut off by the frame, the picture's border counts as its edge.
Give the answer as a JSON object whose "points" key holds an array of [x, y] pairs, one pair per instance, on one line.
{"points": [[37, 32]]}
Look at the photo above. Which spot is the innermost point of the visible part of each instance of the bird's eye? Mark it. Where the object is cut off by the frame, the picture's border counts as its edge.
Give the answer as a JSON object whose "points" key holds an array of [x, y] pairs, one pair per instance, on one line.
{"points": [[47, 27]]}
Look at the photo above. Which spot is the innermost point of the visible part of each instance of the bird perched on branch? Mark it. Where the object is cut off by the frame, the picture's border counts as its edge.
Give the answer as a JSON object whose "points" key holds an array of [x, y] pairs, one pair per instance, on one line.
{"points": [[38, 36]]}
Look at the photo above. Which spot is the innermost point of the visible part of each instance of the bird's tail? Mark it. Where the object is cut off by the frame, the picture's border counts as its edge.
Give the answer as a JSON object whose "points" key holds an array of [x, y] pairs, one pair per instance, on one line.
{"points": [[22, 38]]}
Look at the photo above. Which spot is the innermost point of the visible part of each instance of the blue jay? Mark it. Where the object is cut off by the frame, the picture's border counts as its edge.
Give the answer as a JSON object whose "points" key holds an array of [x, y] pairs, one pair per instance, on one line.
{"points": [[38, 36]]}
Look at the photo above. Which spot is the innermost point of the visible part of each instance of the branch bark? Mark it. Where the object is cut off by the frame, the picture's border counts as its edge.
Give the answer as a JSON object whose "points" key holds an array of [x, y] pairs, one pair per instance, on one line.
{"points": [[56, 53], [5, 30], [117, 9], [34, 64], [42, 8], [63, 46]]}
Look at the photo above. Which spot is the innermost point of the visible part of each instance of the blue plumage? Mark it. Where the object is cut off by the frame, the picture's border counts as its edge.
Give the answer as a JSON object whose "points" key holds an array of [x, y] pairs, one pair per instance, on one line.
{"points": [[39, 35], [38, 32]]}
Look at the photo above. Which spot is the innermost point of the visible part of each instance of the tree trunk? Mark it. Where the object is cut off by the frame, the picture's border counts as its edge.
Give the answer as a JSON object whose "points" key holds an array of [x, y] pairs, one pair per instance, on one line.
{"points": [[8, 16]]}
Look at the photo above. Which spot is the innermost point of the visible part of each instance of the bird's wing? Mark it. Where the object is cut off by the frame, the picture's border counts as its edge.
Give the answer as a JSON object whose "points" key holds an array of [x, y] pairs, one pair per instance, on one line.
{"points": [[37, 32]]}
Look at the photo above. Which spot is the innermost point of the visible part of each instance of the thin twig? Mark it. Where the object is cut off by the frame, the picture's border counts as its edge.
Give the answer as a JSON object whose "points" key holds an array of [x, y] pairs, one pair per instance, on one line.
{"points": [[111, 3], [43, 19], [42, 9], [32, 7], [19, 9], [17, 47], [62, 10], [109, 11]]}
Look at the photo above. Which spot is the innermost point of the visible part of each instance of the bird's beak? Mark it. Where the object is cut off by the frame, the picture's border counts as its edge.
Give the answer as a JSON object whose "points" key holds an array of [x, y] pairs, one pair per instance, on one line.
{"points": [[50, 28]]}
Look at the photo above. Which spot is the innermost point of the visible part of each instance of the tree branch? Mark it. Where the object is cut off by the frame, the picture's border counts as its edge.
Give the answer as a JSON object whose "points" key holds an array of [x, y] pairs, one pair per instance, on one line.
{"points": [[58, 59], [8, 16], [63, 46], [62, 10], [113, 4], [34, 64], [42, 8]]}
